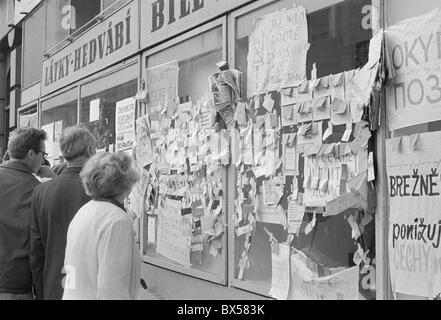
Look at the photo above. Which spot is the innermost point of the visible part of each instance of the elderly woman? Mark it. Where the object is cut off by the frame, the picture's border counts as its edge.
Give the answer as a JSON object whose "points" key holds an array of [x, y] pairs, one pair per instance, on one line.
{"points": [[102, 260]]}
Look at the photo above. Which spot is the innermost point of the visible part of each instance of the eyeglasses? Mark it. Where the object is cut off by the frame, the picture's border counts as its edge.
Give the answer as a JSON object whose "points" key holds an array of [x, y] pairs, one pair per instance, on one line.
{"points": [[43, 153]]}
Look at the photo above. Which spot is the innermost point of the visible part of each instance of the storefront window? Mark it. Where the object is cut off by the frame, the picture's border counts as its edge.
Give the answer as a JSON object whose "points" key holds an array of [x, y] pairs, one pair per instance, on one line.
{"points": [[33, 46], [177, 84], [324, 245], [58, 113], [99, 99]]}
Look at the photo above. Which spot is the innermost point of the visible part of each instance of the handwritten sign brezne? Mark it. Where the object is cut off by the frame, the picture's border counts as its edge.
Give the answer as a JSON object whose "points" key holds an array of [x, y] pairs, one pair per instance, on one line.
{"points": [[415, 216], [413, 55], [277, 51]]}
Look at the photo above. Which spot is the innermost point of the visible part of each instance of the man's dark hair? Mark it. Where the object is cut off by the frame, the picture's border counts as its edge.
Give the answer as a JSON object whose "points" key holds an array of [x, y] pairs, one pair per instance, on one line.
{"points": [[24, 139]]}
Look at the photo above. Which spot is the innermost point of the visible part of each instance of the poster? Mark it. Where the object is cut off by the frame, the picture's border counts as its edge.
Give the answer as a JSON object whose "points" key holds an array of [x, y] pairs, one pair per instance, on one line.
{"points": [[277, 51], [306, 285], [125, 124], [28, 120], [413, 170], [280, 271], [413, 53], [162, 86], [174, 234]]}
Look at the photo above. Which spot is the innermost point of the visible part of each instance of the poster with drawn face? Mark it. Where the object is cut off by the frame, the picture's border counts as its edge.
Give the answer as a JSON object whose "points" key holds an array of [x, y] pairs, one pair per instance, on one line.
{"points": [[413, 170]]}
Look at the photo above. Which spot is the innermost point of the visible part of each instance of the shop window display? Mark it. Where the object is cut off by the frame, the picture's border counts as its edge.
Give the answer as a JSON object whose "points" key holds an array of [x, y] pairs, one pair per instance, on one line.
{"points": [[98, 104], [183, 225], [58, 113]]}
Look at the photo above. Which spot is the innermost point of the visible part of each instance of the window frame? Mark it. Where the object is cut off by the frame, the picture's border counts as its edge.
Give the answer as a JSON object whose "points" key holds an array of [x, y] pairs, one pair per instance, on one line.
{"points": [[215, 278]]}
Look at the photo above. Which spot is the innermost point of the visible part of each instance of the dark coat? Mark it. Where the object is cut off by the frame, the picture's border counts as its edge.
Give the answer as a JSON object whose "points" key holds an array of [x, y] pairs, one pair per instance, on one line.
{"points": [[54, 204], [17, 183]]}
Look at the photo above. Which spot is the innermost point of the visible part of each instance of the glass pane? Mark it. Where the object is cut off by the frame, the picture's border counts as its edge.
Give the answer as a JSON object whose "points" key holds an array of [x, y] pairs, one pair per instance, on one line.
{"points": [[188, 66], [59, 17], [98, 103], [28, 117], [58, 113], [33, 47], [339, 42], [108, 3]]}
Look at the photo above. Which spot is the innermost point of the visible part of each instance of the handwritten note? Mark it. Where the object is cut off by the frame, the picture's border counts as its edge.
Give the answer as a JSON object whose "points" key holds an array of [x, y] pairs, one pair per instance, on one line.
{"points": [[280, 258], [295, 216], [277, 51]]}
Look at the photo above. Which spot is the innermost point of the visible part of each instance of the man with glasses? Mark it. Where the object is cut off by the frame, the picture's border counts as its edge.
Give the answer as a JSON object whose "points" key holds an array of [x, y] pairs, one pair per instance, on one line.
{"points": [[27, 151]]}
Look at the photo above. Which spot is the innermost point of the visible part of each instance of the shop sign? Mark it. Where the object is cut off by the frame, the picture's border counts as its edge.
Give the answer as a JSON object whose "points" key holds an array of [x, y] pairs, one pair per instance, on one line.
{"points": [[108, 42], [162, 19]]}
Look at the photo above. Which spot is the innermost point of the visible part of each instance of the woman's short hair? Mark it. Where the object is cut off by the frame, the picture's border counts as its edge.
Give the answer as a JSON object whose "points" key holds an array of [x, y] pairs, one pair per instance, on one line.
{"points": [[23, 140], [75, 141], [109, 175]]}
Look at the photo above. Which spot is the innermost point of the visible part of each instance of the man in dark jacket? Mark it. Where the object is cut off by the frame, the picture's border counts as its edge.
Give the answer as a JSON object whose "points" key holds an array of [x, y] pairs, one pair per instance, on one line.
{"points": [[54, 204], [17, 183]]}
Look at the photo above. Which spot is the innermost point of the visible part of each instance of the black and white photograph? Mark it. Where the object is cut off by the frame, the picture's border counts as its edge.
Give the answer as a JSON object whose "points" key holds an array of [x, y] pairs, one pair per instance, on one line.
{"points": [[220, 156]]}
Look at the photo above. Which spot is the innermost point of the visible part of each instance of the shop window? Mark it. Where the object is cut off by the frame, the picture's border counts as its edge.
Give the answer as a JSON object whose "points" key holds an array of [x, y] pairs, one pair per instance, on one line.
{"points": [[58, 113], [28, 117], [99, 99], [338, 42], [177, 77], [33, 46]]}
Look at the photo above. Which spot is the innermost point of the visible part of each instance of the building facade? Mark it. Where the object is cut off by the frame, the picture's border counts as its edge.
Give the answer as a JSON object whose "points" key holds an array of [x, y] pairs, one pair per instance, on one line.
{"points": [[68, 62]]}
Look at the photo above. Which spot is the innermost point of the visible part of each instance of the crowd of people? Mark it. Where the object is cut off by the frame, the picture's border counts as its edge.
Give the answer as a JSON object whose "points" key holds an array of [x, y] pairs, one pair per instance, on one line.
{"points": [[64, 232]]}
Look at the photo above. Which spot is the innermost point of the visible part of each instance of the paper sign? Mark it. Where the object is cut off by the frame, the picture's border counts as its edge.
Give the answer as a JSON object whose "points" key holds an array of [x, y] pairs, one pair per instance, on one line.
{"points": [[125, 124], [414, 229], [162, 86], [295, 216], [280, 258], [151, 229], [306, 285], [94, 110], [413, 97], [174, 235], [277, 51]]}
